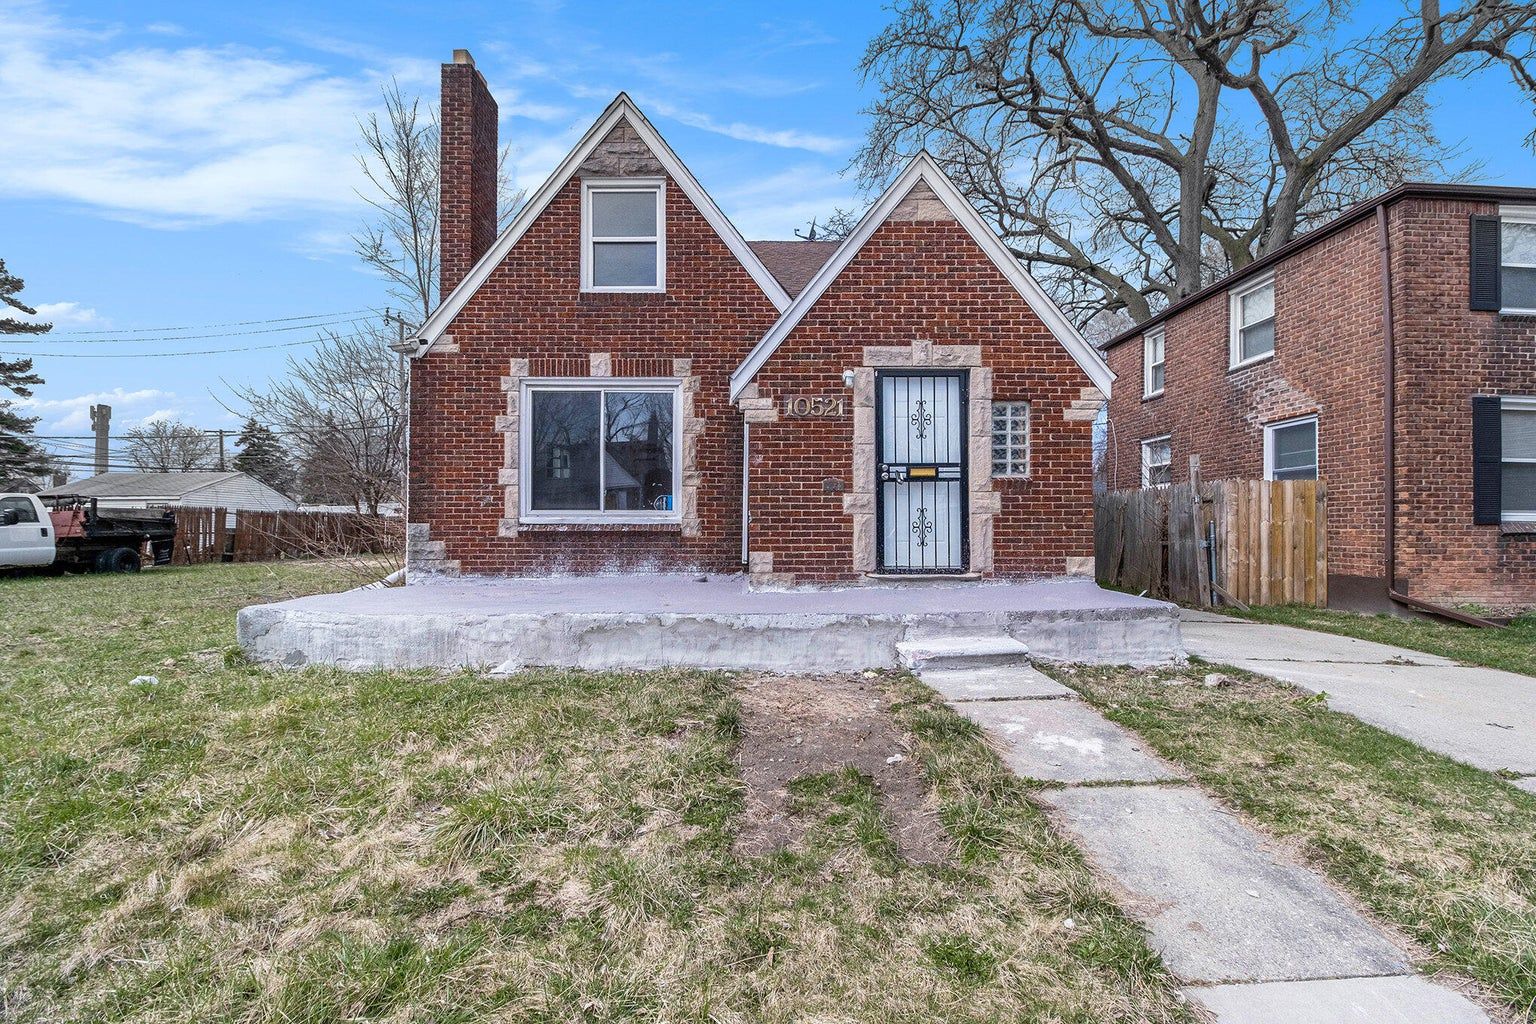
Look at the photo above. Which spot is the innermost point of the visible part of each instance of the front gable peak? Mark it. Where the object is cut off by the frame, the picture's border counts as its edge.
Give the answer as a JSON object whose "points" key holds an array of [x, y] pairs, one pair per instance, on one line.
{"points": [[620, 143], [923, 192]]}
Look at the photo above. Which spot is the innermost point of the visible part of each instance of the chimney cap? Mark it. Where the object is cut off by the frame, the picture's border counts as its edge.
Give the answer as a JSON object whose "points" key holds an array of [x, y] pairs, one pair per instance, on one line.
{"points": [[463, 57]]}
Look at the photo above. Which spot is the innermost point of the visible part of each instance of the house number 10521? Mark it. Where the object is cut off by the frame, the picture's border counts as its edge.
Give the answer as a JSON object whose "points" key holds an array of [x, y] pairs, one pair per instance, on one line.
{"points": [[814, 405]]}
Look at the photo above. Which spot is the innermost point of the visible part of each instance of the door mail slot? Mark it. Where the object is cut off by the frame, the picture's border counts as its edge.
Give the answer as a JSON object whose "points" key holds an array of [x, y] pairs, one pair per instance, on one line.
{"points": [[922, 473]]}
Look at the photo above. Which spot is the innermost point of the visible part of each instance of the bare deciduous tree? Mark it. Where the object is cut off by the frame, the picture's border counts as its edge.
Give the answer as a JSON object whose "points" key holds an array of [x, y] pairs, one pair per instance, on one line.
{"points": [[1129, 151], [340, 410], [166, 446], [399, 160]]}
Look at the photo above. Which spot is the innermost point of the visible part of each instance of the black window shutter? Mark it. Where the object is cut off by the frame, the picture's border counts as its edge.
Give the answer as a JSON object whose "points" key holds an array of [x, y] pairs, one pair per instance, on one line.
{"points": [[1487, 461], [1485, 263]]}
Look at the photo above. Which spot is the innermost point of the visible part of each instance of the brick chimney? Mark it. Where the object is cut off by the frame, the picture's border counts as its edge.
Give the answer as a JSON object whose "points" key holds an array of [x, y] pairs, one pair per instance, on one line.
{"points": [[467, 183]]}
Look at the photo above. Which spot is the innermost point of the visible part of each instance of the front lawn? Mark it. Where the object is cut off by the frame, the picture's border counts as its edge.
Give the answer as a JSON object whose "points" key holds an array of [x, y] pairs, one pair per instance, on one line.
{"points": [[1443, 850], [231, 843], [1512, 648]]}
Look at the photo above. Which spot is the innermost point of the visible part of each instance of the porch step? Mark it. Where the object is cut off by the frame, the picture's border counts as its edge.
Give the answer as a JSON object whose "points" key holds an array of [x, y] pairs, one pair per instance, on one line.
{"points": [[943, 652]]}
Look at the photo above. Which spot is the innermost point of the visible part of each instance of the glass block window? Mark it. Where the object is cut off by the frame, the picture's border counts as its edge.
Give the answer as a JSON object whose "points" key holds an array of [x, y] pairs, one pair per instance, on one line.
{"points": [[1010, 438]]}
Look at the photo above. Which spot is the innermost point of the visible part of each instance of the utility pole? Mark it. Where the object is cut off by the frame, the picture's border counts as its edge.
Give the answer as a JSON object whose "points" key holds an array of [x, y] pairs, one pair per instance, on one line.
{"points": [[101, 421], [221, 451]]}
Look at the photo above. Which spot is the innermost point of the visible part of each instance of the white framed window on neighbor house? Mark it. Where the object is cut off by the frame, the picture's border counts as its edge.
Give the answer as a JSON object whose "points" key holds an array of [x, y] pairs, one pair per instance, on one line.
{"points": [[1157, 461], [1153, 355], [1517, 260], [1290, 449], [1010, 439], [1252, 319], [623, 235], [599, 451], [1517, 422]]}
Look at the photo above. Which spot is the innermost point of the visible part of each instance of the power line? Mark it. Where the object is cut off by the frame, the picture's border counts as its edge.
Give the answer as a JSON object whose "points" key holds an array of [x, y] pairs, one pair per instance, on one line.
{"points": [[45, 338], [204, 327], [162, 355]]}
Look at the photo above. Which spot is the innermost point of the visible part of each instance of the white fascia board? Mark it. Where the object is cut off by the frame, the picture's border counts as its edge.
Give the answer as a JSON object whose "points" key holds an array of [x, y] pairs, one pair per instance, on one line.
{"points": [[923, 168], [622, 108]]}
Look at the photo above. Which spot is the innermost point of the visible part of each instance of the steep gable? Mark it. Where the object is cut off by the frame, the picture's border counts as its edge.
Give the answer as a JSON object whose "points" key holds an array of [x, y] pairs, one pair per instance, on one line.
{"points": [[922, 192], [621, 143]]}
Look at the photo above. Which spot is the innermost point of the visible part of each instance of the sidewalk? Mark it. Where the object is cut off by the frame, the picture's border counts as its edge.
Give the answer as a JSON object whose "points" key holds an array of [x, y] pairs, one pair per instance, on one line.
{"points": [[1482, 716], [1257, 937]]}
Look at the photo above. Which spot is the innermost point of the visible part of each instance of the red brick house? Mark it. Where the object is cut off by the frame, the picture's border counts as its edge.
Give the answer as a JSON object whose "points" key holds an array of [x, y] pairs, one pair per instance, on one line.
{"points": [[620, 382], [1392, 353]]}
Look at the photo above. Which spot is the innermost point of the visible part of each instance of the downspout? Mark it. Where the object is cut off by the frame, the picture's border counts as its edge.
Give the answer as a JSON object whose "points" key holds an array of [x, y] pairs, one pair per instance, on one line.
{"points": [[746, 472], [1389, 438]]}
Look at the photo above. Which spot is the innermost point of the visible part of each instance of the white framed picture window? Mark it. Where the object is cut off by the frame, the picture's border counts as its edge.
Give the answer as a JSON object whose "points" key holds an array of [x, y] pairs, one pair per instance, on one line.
{"points": [[599, 450], [1290, 449], [1252, 319], [1157, 461], [1153, 358], [1517, 423], [623, 235]]}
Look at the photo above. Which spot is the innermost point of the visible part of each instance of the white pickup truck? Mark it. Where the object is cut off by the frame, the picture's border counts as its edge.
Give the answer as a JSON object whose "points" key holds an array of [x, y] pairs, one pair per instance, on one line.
{"points": [[74, 537]]}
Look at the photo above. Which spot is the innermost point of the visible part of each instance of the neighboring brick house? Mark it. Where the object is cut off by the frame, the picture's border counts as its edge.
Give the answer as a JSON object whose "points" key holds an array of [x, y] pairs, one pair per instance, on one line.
{"points": [[1280, 370], [620, 382]]}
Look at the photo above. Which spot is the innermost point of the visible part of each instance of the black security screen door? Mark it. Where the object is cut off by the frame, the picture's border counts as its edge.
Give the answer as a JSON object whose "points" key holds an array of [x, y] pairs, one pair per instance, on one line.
{"points": [[920, 448]]}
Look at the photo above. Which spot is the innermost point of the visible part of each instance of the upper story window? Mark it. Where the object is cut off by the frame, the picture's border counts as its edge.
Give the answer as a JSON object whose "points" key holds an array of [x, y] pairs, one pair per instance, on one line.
{"points": [[1253, 322], [1152, 357], [599, 450], [1290, 449], [1157, 461], [1517, 261], [623, 235]]}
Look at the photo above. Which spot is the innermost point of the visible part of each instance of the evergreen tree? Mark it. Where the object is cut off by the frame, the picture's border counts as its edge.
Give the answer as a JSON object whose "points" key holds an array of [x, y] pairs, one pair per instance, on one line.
{"points": [[262, 456], [21, 460]]}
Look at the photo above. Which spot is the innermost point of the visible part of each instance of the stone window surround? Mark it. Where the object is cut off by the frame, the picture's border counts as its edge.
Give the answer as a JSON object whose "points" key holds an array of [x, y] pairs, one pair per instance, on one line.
{"points": [[600, 365]]}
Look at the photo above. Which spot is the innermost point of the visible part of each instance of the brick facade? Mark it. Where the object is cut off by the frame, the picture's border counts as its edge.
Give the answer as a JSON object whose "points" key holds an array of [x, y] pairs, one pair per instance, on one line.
{"points": [[1330, 360], [920, 292]]}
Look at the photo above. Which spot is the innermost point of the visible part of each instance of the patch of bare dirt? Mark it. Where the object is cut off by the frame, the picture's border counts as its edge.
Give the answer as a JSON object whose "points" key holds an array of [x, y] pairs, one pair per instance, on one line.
{"points": [[794, 726]]}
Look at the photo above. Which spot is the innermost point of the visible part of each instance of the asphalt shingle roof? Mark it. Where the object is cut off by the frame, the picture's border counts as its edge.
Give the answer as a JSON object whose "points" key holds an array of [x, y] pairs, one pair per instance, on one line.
{"points": [[794, 263], [136, 485]]}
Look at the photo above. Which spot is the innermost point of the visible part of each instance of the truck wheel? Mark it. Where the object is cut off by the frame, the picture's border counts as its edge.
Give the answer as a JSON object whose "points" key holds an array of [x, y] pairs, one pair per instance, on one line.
{"points": [[118, 560]]}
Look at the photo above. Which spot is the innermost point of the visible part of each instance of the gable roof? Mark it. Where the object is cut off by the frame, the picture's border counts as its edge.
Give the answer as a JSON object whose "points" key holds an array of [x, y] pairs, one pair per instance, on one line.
{"points": [[621, 109], [139, 485], [924, 169], [794, 262]]}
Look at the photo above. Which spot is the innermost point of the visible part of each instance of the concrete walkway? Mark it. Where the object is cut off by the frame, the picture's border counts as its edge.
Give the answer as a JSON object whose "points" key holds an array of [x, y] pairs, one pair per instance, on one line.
{"points": [[1257, 937], [1482, 716]]}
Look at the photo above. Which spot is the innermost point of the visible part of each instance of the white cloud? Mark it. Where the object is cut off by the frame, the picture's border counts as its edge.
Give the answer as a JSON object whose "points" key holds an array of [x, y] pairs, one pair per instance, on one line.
{"points": [[773, 206], [74, 413], [62, 314], [172, 136], [785, 138]]}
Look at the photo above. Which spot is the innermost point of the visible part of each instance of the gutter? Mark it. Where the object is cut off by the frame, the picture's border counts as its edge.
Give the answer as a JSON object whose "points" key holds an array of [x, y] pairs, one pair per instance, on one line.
{"points": [[1389, 438], [746, 473]]}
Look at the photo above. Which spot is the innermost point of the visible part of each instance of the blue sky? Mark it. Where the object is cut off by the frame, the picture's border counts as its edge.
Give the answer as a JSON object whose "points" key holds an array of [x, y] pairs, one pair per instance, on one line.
{"points": [[190, 163]]}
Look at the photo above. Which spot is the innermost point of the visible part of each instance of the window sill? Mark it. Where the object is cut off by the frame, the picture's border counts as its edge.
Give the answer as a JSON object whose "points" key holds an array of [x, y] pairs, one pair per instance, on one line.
{"points": [[1518, 527], [548, 526], [1154, 395], [1524, 314], [1255, 361]]}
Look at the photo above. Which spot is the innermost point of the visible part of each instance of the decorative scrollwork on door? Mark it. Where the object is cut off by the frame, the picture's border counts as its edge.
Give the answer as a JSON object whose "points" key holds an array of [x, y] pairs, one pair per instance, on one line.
{"points": [[921, 419], [922, 527]]}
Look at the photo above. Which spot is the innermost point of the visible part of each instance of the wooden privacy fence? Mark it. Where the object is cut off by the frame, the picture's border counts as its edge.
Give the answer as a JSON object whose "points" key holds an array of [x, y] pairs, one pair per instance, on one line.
{"points": [[1242, 542], [220, 535]]}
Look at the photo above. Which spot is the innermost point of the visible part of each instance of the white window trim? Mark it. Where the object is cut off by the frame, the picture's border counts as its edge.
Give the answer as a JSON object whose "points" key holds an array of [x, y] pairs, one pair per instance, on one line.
{"points": [[527, 514], [1269, 443], [1528, 404], [1158, 334], [655, 185], [1514, 215], [1029, 454], [1146, 464], [1235, 323]]}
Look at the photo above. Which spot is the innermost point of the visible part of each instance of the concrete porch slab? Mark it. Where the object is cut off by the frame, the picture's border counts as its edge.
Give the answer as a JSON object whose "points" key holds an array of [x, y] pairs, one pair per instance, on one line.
{"points": [[639, 621], [1065, 741], [1403, 1000], [1221, 905], [996, 682]]}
